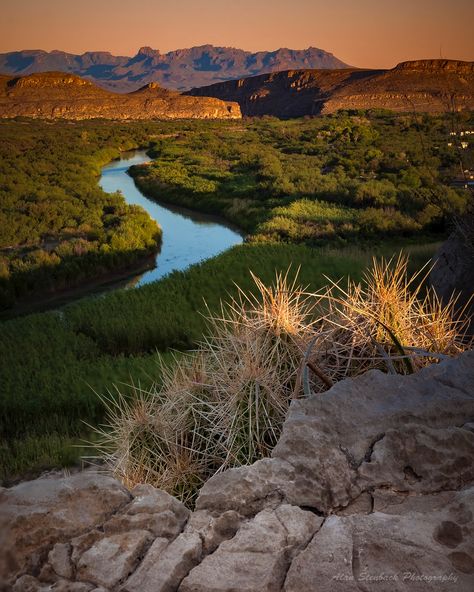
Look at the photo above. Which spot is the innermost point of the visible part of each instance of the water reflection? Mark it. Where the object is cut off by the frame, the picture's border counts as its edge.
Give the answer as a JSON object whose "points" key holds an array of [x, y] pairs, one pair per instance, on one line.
{"points": [[188, 237]]}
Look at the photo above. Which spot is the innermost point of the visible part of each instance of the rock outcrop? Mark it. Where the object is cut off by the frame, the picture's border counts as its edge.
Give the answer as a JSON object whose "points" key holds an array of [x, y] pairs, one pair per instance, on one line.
{"points": [[423, 86], [453, 272], [58, 95], [371, 487], [181, 69]]}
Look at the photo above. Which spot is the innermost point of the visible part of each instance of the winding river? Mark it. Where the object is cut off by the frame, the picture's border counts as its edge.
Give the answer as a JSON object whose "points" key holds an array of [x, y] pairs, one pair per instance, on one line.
{"points": [[188, 237]]}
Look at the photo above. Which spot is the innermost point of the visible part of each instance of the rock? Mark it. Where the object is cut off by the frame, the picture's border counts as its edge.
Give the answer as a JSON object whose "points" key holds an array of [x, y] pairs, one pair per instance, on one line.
{"points": [[247, 490], [361, 505], [165, 566], [371, 487], [31, 584], [421, 85], [214, 529], [453, 270], [35, 515], [419, 459], [426, 545], [111, 559], [153, 510], [257, 558], [60, 560]]}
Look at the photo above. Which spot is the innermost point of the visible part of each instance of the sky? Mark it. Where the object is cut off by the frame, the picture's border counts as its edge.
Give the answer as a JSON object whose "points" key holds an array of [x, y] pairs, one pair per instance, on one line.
{"points": [[363, 33]]}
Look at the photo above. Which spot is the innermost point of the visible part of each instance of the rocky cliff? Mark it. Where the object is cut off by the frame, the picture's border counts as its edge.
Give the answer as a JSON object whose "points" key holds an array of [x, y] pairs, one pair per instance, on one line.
{"points": [[371, 487], [180, 69], [59, 95], [425, 86]]}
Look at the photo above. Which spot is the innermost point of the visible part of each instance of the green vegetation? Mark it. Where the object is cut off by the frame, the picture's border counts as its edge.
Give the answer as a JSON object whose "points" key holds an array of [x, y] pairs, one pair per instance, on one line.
{"points": [[338, 186], [341, 178], [57, 227]]}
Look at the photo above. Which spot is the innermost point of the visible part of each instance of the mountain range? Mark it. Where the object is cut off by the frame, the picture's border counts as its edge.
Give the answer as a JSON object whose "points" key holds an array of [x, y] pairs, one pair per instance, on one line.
{"points": [[181, 69], [422, 86]]}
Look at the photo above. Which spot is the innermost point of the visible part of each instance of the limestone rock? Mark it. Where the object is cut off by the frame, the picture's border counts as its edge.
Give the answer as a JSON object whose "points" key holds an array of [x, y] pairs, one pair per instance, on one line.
{"points": [[420, 459], [247, 490], [29, 583], [426, 546], [111, 559], [256, 559], [327, 438], [60, 560], [164, 567], [371, 487], [35, 515], [153, 510], [213, 530], [52, 95], [421, 85], [453, 270]]}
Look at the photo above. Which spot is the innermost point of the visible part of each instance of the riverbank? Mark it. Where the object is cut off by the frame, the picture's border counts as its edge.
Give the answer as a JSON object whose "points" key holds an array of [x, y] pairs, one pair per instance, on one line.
{"points": [[103, 283], [187, 237]]}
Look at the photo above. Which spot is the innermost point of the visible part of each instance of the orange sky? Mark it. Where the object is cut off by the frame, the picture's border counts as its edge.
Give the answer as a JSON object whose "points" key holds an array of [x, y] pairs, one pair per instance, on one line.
{"points": [[370, 33]]}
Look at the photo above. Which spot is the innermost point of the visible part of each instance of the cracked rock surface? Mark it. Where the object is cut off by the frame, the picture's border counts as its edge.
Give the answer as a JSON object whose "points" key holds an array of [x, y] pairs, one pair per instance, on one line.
{"points": [[370, 488]]}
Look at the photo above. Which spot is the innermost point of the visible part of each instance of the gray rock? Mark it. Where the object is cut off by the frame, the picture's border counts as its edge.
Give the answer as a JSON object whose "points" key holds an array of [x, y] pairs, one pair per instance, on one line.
{"points": [[60, 560], [327, 437], [256, 559], [153, 510], [427, 545], [29, 583], [453, 271], [165, 566], [213, 530], [35, 515], [389, 460], [415, 458], [111, 559], [247, 490]]}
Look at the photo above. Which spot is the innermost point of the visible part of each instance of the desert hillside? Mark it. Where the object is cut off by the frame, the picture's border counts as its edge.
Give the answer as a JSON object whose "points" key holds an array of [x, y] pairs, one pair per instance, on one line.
{"points": [[59, 95]]}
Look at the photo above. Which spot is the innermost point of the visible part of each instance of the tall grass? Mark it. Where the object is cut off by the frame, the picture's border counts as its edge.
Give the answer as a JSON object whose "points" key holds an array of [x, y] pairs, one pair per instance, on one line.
{"points": [[224, 405]]}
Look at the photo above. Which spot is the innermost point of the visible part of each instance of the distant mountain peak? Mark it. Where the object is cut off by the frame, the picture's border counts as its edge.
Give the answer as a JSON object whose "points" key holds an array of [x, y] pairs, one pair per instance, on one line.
{"points": [[147, 51], [181, 69]]}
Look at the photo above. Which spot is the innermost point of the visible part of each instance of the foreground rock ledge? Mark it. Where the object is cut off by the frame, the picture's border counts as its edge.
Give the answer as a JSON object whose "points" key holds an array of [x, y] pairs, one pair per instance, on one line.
{"points": [[371, 487]]}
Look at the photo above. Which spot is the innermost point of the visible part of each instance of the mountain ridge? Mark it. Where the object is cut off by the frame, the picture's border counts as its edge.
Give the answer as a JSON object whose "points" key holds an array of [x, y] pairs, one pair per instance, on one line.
{"points": [[50, 95], [180, 69], [422, 85]]}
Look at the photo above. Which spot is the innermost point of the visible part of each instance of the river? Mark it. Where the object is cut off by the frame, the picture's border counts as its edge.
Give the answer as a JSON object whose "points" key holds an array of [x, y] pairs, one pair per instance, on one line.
{"points": [[188, 237]]}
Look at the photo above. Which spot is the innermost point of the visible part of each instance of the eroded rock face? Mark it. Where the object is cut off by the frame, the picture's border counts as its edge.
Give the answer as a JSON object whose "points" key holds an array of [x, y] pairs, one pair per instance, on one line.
{"points": [[422, 546], [371, 487], [36, 515]]}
